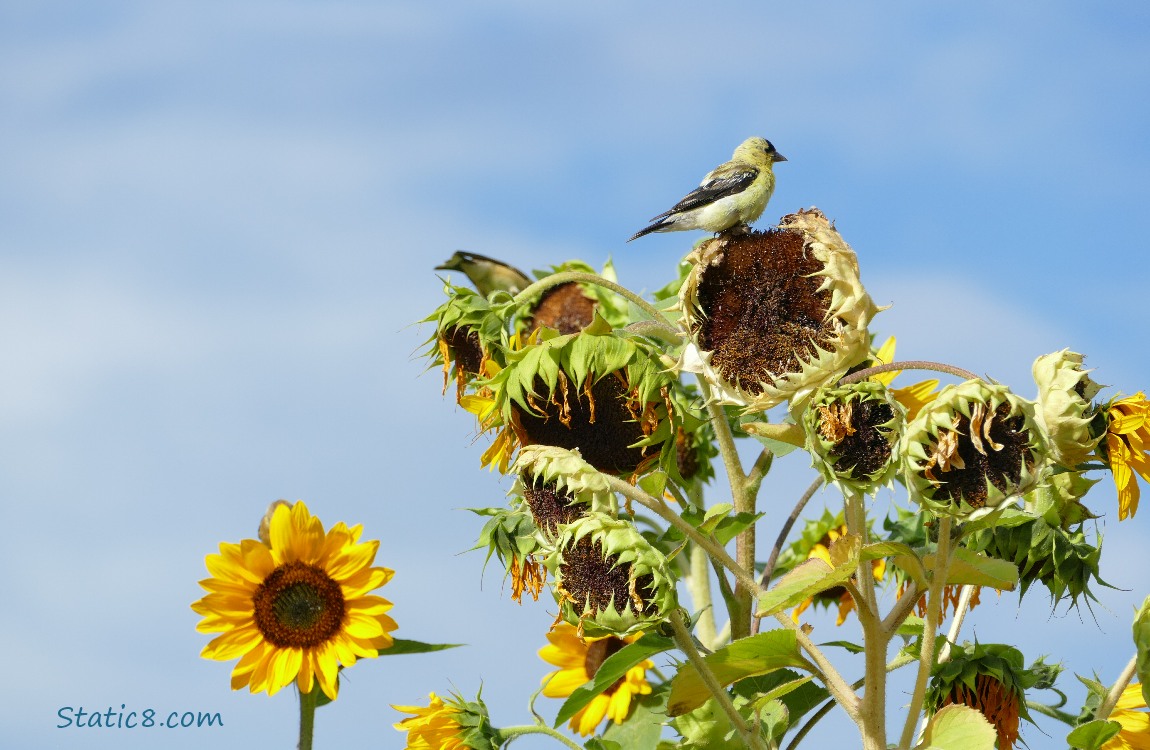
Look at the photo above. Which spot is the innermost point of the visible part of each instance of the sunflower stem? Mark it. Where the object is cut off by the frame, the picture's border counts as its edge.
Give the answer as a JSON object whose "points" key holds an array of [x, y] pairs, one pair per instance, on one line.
{"points": [[565, 277], [626, 489], [1052, 712], [744, 501], [504, 735], [686, 644], [876, 641], [1116, 689], [960, 611], [914, 364], [929, 631], [307, 704], [699, 586], [838, 687]]}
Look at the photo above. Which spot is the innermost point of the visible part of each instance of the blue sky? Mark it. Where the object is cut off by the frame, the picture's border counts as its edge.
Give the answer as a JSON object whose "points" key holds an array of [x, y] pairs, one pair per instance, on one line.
{"points": [[220, 223]]}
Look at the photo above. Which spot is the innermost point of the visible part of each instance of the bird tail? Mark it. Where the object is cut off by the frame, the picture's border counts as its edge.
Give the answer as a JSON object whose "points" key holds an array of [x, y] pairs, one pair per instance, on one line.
{"points": [[658, 226]]}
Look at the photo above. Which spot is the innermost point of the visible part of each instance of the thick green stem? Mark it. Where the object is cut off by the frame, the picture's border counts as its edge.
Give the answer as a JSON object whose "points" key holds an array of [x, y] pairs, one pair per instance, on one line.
{"points": [[744, 502], [929, 631], [699, 585], [687, 645], [1116, 689], [742, 576], [872, 707], [960, 611], [1052, 712], [506, 734], [842, 692], [307, 704]]}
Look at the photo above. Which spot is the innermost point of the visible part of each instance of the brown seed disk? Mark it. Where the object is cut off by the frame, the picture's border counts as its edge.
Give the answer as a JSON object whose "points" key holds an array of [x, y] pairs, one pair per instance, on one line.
{"points": [[463, 342], [298, 606], [686, 456], [762, 308], [565, 308], [998, 704], [1002, 467], [867, 449], [550, 506], [595, 581], [601, 426]]}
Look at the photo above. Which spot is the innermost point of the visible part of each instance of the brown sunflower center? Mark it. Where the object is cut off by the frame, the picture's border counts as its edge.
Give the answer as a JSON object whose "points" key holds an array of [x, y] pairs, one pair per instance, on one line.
{"points": [[597, 582], [298, 606], [601, 421], [463, 342], [859, 432], [985, 447], [763, 311], [550, 506], [597, 653], [997, 703], [565, 308]]}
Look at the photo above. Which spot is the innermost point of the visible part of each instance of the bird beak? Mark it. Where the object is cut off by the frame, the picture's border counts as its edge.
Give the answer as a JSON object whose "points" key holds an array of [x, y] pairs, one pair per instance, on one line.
{"points": [[778, 157]]}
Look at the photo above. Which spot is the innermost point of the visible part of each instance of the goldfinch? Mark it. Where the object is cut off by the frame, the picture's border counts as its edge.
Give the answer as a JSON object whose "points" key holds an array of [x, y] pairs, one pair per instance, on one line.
{"points": [[730, 194], [487, 274]]}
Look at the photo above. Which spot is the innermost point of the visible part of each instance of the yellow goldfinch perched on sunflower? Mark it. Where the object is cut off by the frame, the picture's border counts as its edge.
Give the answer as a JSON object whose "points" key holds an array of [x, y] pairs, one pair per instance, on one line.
{"points": [[732, 193]]}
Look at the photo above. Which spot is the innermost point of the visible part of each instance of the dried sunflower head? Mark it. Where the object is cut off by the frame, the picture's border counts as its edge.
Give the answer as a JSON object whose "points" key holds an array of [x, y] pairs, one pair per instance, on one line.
{"points": [[570, 307], [990, 678], [972, 450], [774, 315], [608, 578], [853, 432], [599, 392], [559, 486], [1065, 406], [469, 332]]}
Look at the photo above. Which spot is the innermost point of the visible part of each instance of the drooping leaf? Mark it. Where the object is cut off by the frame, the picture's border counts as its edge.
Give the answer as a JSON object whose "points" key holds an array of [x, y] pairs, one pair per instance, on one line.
{"points": [[612, 669], [813, 576], [401, 646], [747, 657], [644, 725], [978, 569], [1093, 734], [958, 727]]}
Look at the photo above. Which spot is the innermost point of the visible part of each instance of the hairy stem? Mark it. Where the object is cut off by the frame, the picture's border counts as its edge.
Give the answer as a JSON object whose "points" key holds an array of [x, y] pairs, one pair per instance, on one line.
{"points": [[842, 692], [687, 645], [699, 584], [744, 502], [1116, 689], [872, 708], [929, 631], [914, 364], [960, 611], [506, 734]]}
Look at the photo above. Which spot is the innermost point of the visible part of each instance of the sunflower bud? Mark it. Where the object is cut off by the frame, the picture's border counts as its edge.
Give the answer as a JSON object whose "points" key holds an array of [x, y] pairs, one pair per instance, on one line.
{"points": [[853, 433], [972, 450], [774, 315], [608, 578], [1062, 560], [1065, 408], [991, 679], [454, 723]]}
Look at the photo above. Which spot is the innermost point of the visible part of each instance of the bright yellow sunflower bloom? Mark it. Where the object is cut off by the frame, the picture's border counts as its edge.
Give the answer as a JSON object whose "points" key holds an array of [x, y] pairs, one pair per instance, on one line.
{"points": [[838, 594], [1127, 446], [1131, 713], [296, 607], [578, 660], [435, 727]]}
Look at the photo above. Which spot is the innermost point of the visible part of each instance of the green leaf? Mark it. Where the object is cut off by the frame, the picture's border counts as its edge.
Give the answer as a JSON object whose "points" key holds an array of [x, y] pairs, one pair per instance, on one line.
{"points": [[813, 576], [958, 727], [775, 717], [654, 484], [611, 670], [799, 694], [714, 515], [978, 569], [747, 657], [1093, 734], [596, 743], [401, 646], [643, 727], [1142, 643], [854, 648]]}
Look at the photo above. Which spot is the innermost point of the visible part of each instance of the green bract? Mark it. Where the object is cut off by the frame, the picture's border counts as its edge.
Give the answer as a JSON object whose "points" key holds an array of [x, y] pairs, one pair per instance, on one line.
{"points": [[774, 315], [469, 330], [972, 450], [570, 307], [853, 433], [566, 473], [1065, 408], [596, 391], [608, 578]]}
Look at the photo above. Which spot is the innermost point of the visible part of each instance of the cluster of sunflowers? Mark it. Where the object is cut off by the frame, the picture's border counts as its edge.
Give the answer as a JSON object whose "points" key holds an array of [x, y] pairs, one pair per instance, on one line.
{"points": [[583, 387]]}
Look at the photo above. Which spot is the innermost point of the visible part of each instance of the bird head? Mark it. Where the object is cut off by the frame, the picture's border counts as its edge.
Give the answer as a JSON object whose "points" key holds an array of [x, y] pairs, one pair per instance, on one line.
{"points": [[757, 151]]}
